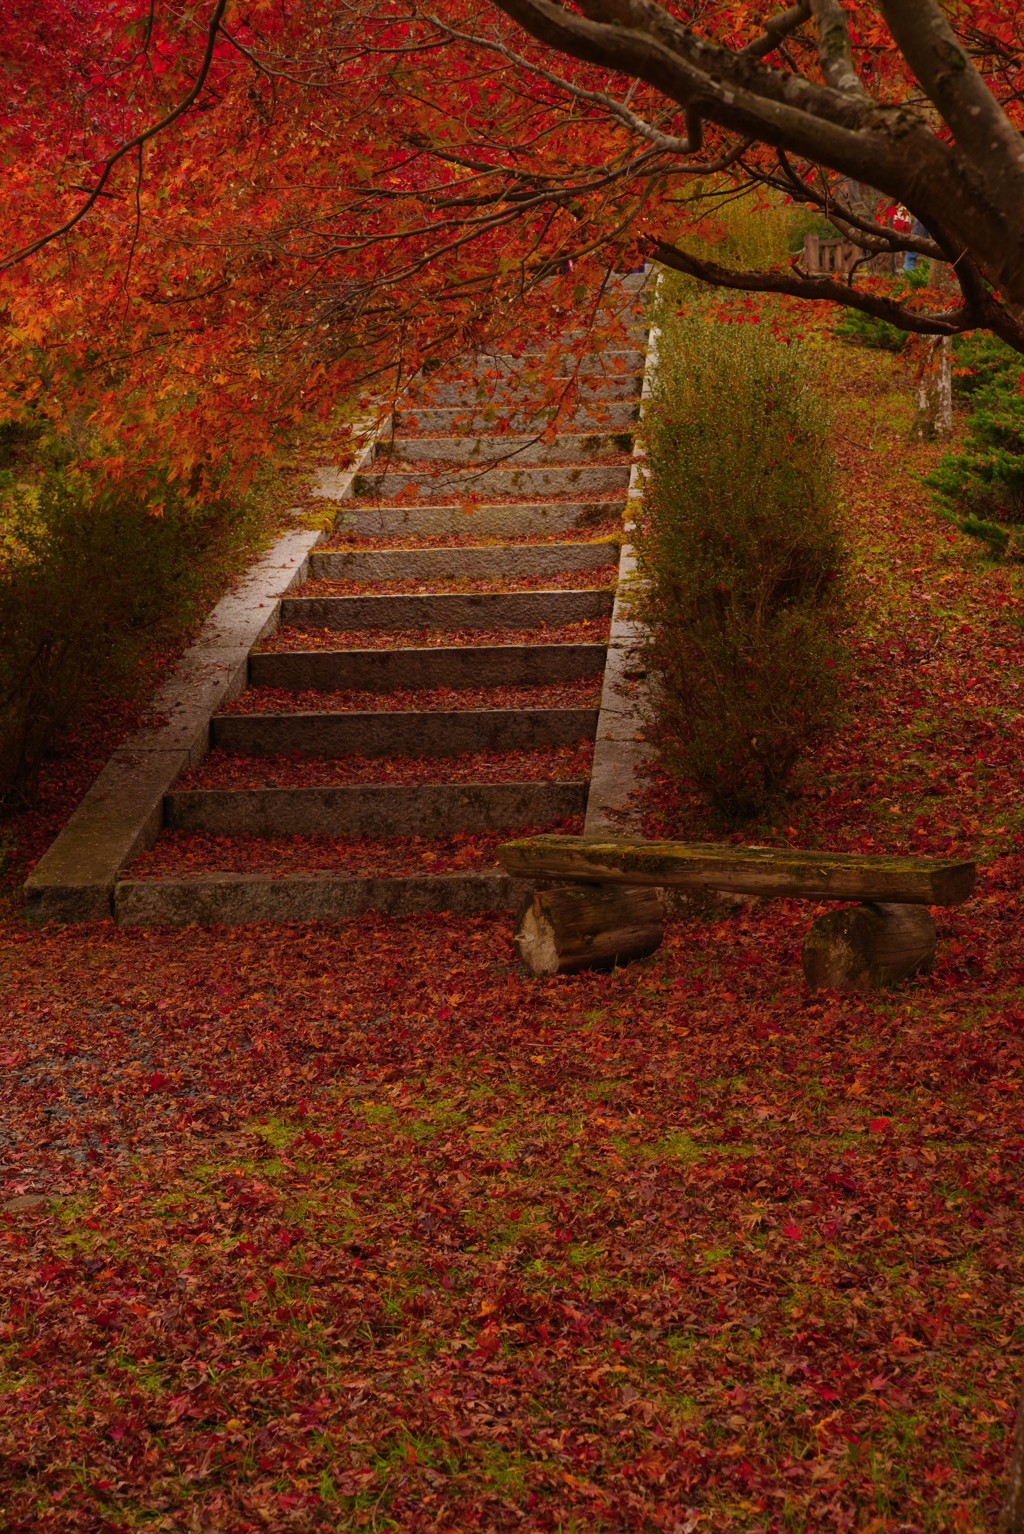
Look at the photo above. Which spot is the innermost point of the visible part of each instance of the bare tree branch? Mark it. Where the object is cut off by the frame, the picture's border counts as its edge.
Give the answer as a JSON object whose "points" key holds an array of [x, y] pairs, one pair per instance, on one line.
{"points": [[776, 28]]}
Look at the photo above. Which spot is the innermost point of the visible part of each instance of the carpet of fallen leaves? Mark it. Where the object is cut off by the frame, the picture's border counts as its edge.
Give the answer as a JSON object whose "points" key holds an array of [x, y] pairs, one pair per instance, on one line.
{"points": [[592, 512], [560, 580], [360, 1226], [583, 693], [561, 764], [610, 529], [179, 854], [291, 637]]}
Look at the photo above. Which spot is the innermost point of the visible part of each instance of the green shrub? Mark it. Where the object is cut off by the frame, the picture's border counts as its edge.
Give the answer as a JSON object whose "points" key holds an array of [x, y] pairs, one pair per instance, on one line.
{"points": [[980, 359], [981, 488], [89, 579], [740, 562], [861, 329]]}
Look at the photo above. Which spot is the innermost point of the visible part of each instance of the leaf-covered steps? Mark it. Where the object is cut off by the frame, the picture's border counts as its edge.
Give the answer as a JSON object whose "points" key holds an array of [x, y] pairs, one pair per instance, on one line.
{"points": [[448, 610], [500, 519], [536, 494], [402, 733]]}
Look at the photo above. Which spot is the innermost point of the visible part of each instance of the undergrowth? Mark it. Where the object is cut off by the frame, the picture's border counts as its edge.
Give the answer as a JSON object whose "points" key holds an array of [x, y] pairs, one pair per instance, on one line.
{"points": [[981, 486], [89, 578]]}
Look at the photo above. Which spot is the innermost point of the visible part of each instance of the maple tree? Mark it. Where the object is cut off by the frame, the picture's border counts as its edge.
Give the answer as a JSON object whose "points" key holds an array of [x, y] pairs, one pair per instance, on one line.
{"points": [[218, 217]]}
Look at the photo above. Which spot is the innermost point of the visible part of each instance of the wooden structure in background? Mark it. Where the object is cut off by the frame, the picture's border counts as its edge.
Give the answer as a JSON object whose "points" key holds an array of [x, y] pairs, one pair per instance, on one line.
{"points": [[838, 257]]}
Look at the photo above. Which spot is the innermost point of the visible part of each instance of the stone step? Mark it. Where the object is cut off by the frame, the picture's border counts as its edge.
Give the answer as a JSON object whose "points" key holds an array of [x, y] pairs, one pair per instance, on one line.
{"points": [[608, 364], [502, 449], [558, 479], [512, 388], [628, 282], [448, 610], [405, 733], [401, 670], [448, 564], [537, 519], [373, 809], [613, 416], [233, 899]]}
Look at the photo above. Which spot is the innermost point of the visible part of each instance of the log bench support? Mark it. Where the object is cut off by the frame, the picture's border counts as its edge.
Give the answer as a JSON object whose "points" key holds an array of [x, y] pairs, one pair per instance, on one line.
{"points": [[609, 905], [863, 947], [588, 926]]}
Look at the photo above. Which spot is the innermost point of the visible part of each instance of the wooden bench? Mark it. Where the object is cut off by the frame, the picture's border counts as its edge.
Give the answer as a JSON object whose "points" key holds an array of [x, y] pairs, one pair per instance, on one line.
{"points": [[601, 902]]}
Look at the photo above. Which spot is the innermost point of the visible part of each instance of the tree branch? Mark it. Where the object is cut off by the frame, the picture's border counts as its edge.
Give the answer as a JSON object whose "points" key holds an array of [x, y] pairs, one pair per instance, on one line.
{"points": [[988, 312], [982, 130], [879, 236], [834, 49], [776, 28]]}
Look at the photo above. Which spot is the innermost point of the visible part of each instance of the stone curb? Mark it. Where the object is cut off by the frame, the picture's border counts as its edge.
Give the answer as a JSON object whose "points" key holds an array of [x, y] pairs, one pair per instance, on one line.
{"points": [[448, 610], [619, 750], [403, 733], [122, 812], [373, 809], [234, 899], [389, 670], [443, 564]]}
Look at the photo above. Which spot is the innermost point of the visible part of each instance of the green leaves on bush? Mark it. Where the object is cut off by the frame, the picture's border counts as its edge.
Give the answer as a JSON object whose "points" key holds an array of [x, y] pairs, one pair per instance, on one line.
{"points": [[867, 330], [740, 561], [861, 329], [981, 488]]}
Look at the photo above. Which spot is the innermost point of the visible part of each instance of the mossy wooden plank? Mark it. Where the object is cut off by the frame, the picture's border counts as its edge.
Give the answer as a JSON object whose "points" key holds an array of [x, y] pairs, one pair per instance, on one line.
{"points": [[778, 871]]}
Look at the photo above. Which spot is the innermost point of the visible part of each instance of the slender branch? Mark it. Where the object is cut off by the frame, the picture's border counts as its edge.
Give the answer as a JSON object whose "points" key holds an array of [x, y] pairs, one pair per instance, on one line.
{"points": [[669, 143], [886, 239], [776, 28], [129, 146]]}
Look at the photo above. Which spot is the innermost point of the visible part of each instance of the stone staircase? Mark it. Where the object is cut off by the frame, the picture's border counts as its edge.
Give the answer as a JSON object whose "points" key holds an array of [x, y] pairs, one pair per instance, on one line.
{"points": [[401, 719]]}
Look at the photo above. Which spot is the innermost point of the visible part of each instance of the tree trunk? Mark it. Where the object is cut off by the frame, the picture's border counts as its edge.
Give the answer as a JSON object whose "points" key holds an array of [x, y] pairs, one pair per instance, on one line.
{"points": [[586, 926], [859, 948], [1011, 1519], [933, 418]]}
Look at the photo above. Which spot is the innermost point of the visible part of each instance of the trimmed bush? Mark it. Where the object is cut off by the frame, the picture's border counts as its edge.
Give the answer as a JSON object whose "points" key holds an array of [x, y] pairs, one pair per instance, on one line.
{"points": [[981, 488], [740, 561], [89, 579]]}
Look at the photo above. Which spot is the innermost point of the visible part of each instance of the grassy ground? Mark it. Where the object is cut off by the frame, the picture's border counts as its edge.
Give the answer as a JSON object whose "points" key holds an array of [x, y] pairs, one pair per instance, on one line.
{"points": [[361, 1227]]}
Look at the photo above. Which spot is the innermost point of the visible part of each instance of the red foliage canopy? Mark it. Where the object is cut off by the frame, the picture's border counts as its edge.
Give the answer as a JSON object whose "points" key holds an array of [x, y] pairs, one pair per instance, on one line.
{"points": [[220, 221]]}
